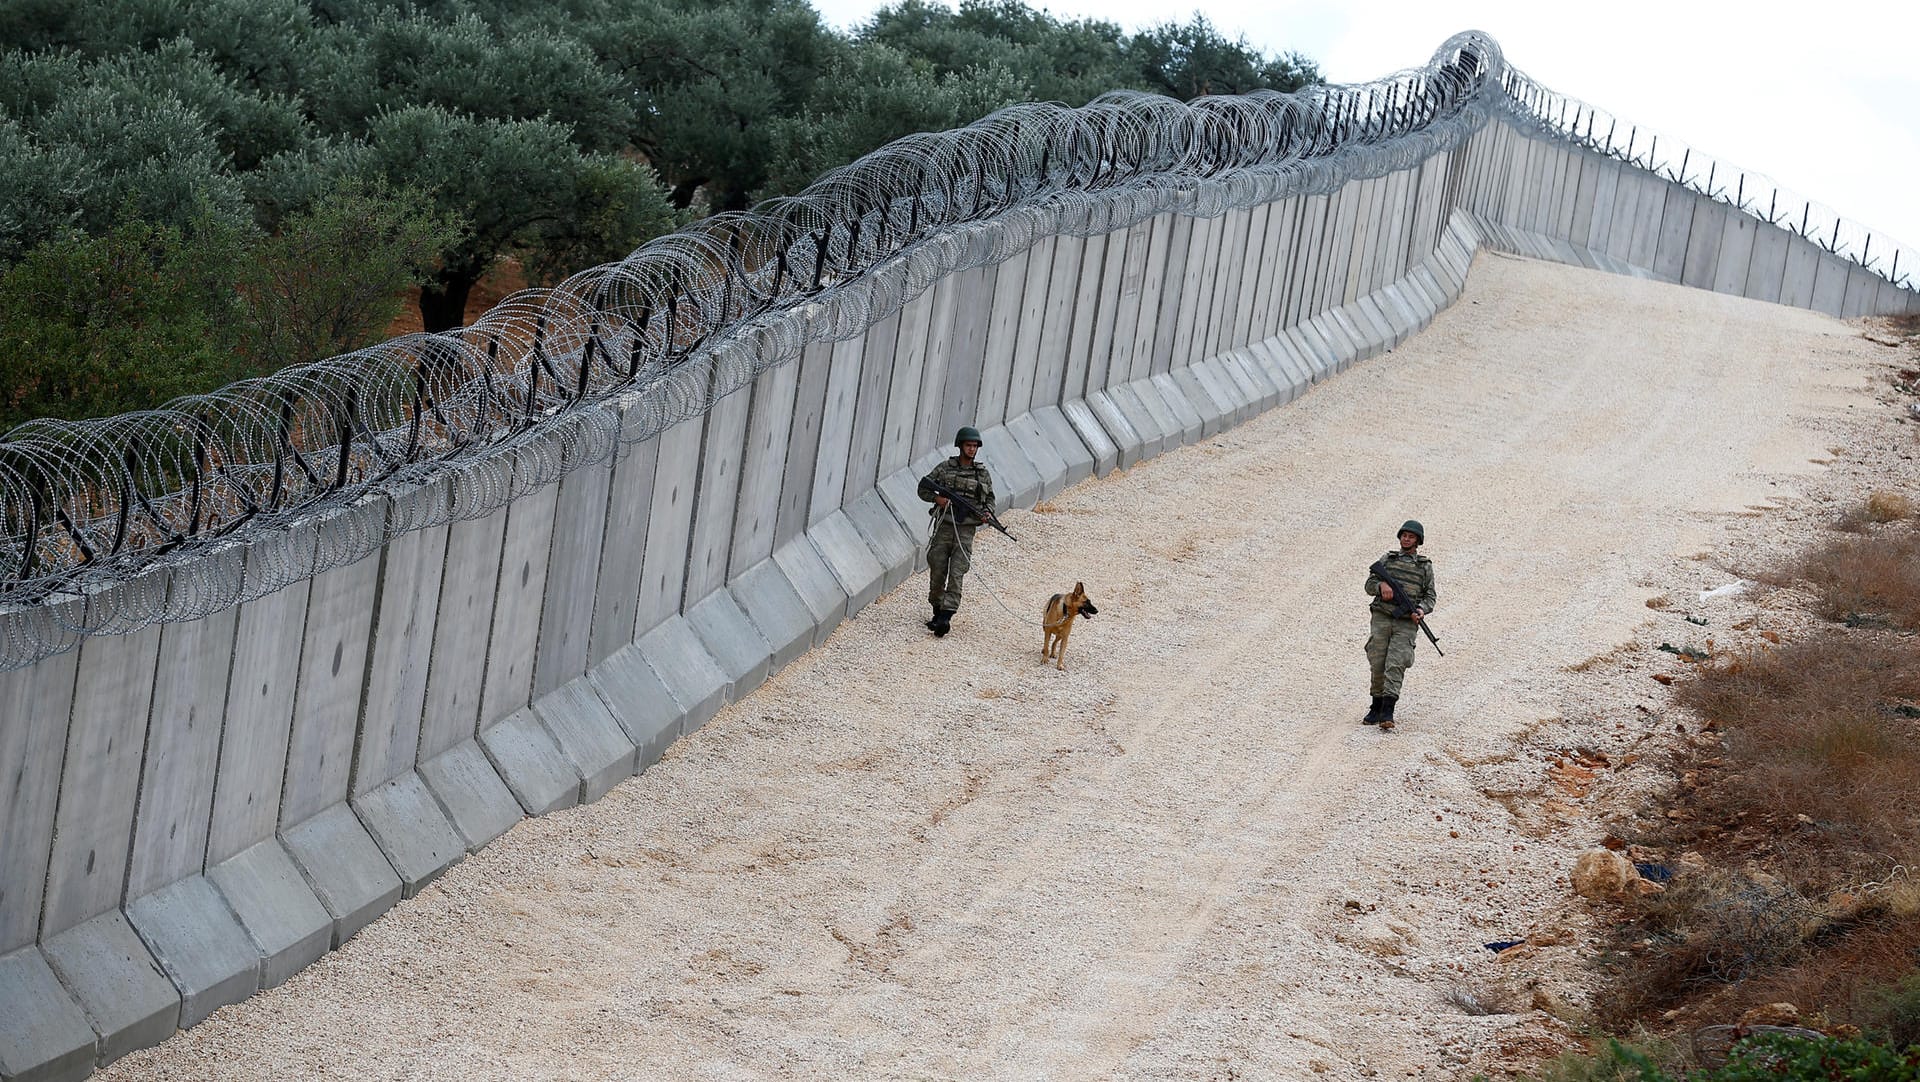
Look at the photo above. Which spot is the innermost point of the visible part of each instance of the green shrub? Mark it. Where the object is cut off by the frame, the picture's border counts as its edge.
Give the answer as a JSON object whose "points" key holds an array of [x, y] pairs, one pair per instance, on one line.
{"points": [[1891, 1014], [1773, 1057], [1769, 1057]]}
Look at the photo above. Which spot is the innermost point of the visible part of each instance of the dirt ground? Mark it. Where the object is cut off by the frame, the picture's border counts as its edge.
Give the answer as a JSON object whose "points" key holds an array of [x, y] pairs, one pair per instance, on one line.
{"points": [[1182, 857]]}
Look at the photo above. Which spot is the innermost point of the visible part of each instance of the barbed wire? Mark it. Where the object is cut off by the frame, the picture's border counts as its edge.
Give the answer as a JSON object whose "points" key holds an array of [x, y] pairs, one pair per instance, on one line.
{"points": [[111, 525], [1751, 193]]}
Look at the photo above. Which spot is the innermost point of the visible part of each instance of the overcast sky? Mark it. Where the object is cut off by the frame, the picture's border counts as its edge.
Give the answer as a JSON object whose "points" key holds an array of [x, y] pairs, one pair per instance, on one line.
{"points": [[1825, 101]]}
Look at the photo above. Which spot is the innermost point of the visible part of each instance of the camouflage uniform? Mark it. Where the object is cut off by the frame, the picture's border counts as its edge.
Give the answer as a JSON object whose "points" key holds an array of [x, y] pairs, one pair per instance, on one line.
{"points": [[1391, 640], [950, 549]]}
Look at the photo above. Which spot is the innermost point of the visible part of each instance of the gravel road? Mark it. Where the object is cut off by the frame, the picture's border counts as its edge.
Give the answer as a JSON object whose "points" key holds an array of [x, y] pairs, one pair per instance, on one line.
{"points": [[1182, 857]]}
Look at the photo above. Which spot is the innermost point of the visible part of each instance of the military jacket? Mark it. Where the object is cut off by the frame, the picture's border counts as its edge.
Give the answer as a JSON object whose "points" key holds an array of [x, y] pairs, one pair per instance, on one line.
{"points": [[973, 482], [1414, 572]]}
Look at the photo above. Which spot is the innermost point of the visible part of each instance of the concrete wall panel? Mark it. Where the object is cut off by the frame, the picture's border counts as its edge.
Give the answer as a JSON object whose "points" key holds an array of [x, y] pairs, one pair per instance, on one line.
{"points": [[1829, 285], [1736, 252], [723, 446], [1801, 270], [1343, 210], [1029, 328], [528, 537], [1325, 265], [1174, 291], [1289, 257], [1586, 198], [1370, 228], [1153, 292], [1126, 323], [259, 720], [1679, 214], [908, 372], [1627, 224], [1089, 289], [1606, 193], [183, 751], [1649, 219], [1275, 248], [35, 705], [1863, 291], [803, 442], [463, 622], [573, 576], [1255, 279], [1701, 264], [763, 465], [669, 524], [960, 404], [1009, 297], [1057, 322], [836, 430], [1767, 267], [878, 357], [616, 598], [1107, 314], [1230, 263], [1187, 313], [931, 412], [93, 826], [403, 635], [326, 714]]}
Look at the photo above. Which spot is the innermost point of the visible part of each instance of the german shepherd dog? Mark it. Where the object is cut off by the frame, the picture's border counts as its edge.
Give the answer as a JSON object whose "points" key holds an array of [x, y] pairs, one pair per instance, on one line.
{"points": [[1061, 609]]}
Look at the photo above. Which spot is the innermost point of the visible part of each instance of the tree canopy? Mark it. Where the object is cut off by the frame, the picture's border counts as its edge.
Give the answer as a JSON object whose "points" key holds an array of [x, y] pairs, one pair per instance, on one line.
{"points": [[209, 147]]}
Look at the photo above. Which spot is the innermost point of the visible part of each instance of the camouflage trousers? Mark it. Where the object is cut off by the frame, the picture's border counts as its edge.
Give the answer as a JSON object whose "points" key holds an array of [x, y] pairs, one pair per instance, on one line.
{"points": [[949, 555], [1390, 643]]}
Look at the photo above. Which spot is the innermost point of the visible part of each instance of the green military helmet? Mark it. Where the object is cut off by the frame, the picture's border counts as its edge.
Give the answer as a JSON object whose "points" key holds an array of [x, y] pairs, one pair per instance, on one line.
{"points": [[968, 434], [1413, 527]]}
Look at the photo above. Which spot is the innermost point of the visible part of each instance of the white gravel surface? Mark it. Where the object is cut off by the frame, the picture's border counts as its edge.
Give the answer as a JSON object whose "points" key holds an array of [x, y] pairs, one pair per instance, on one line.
{"points": [[1183, 857]]}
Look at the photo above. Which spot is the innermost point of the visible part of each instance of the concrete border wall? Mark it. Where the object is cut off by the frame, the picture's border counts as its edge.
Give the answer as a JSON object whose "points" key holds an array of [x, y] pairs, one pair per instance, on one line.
{"points": [[193, 812], [1537, 196]]}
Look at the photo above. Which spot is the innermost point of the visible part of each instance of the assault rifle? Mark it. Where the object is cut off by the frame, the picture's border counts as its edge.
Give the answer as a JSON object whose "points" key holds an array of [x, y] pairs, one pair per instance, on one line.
{"points": [[1403, 602], [965, 506]]}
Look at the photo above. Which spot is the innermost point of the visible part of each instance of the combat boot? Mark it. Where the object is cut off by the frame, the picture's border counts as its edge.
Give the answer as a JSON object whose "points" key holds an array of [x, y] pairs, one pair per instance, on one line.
{"points": [[1386, 710], [1373, 712], [934, 620], [941, 623]]}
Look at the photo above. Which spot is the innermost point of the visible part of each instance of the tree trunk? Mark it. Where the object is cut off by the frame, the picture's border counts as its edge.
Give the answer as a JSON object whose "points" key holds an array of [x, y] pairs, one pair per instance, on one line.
{"points": [[443, 301], [682, 194]]}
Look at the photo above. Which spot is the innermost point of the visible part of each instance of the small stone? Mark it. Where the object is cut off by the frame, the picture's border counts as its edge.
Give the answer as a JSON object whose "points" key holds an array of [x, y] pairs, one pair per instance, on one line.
{"points": [[1601, 874]]}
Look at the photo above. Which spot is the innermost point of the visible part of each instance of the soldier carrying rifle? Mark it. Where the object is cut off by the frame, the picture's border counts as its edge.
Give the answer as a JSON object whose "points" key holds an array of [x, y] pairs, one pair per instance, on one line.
{"points": [[1401, 585], [961, 492]]}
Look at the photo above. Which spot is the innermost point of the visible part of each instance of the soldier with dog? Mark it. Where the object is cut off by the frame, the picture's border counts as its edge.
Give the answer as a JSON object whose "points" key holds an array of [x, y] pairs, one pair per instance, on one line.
{"points": [[1401, 585]]}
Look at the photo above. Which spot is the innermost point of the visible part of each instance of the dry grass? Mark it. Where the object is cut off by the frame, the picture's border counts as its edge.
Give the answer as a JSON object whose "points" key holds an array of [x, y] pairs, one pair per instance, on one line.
{"points": [[1708, 930], [1818, 750], [1809, 795], [1878, 509], [1848, 975], [1866, 580]]}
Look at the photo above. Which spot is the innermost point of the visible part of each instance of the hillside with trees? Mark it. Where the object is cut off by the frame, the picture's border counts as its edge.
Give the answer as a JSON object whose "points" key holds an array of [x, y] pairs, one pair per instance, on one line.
{"points": [[200, 192]]}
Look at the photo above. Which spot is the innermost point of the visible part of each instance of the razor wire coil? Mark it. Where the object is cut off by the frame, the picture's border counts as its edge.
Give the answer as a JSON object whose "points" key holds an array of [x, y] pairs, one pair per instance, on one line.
{"points": [[114, 524]]}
